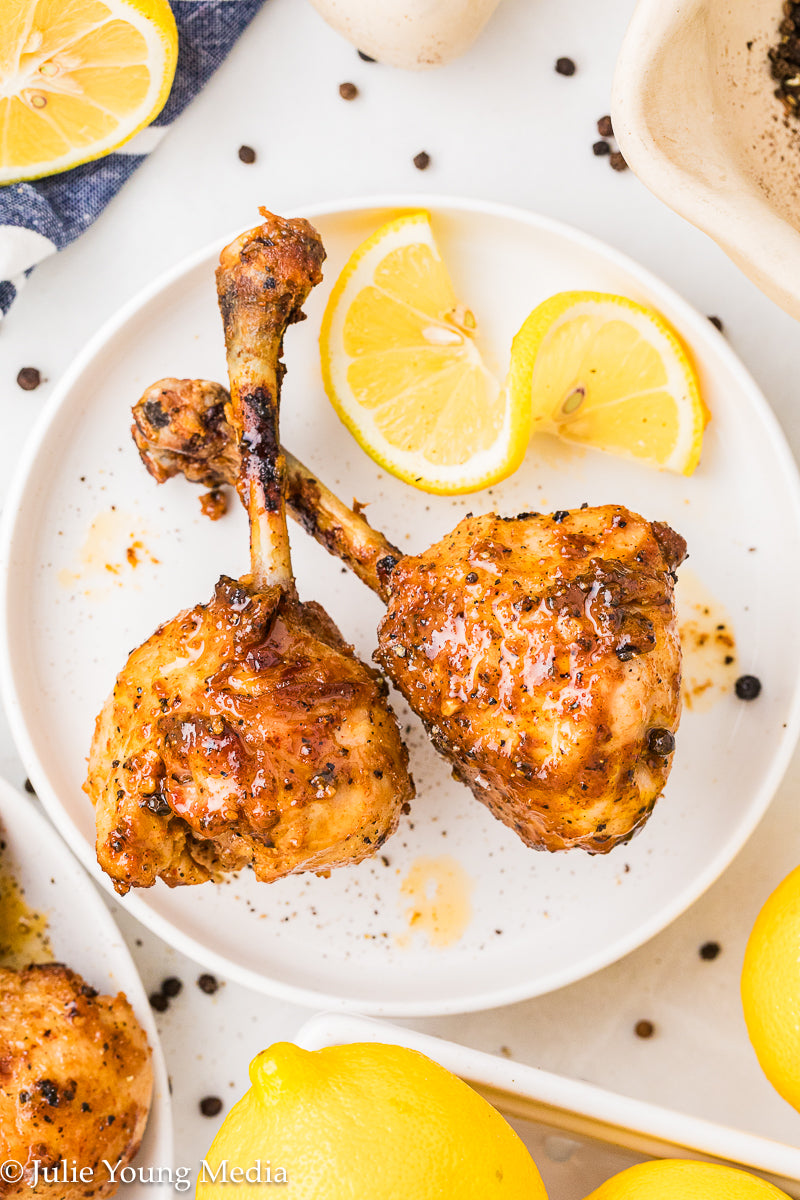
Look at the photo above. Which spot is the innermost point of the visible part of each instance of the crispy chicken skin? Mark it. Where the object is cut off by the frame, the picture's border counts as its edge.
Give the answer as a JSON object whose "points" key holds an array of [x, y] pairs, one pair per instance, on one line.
{"points": [[542, 654], [179, 425], [75, 1080], [245, 731]]}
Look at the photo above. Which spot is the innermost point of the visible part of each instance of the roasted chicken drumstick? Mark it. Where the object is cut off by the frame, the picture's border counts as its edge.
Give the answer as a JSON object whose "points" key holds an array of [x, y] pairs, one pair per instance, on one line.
{"points": [[541, 652], [245, 731]]}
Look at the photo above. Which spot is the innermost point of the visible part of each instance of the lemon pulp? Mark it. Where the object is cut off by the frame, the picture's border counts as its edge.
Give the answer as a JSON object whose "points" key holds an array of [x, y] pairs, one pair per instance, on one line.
{"points": [[78, 78]]}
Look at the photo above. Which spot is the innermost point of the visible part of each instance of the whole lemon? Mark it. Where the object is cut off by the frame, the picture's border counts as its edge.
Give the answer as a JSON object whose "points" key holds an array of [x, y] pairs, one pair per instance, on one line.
{"points": [[680, 1179], [771, 988], [365, 1122]]}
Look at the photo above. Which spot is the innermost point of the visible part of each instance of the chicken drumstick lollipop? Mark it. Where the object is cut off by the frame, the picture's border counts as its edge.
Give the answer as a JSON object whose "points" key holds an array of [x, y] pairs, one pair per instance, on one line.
{"points": [[245, 731], [541, 652]]}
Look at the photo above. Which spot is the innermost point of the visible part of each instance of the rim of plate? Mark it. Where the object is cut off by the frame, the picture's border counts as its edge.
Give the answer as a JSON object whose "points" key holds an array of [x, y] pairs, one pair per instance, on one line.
{"points": [[20, 813], [197, 950]]}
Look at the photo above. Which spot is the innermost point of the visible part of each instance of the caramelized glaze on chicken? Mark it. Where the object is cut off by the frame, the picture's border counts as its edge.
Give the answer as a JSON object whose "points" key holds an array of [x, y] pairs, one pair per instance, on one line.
{"points": [[541, 652], [75, 1081], [245, 731]]}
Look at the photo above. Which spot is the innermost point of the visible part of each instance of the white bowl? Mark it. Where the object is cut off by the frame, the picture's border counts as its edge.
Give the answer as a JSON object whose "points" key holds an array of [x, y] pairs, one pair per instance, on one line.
{"points": [[696, 118]]}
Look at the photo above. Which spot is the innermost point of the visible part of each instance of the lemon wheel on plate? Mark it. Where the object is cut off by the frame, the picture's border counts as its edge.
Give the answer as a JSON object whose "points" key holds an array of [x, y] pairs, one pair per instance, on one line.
{"points": [[78, 78], [402, 366]]}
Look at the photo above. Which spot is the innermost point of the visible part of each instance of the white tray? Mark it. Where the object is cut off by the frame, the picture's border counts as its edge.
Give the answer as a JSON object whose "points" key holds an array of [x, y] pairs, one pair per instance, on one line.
{"points": [[579, 1135]]}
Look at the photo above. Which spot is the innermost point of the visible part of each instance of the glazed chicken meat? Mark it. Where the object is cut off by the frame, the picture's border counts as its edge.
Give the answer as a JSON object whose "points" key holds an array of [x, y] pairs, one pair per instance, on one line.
{"points": [[245, 731], [540, 651], [75, 1081]]}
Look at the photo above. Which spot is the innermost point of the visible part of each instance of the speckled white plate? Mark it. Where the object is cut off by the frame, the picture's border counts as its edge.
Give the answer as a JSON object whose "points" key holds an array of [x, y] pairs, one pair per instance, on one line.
{"points": [[83, 936], [537, 921]]}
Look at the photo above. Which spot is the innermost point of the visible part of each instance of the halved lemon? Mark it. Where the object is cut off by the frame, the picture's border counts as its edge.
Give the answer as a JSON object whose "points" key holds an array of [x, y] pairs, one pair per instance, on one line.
{"points": [[78, 78], [606, 372], [402, 367]]}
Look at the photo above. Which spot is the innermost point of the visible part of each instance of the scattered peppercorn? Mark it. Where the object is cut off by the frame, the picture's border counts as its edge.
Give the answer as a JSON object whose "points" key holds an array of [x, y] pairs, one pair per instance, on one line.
{"points": [[29, 378], [29, 788], [247, 154], [210, 1106], [171, 986], [600, 149], [208, 984], [605, 128], [348, 91], [661, 742], [715, 321], [365, 57], [565, 66], [617, 161], [748, 687], [644, 1029], [710, 950], [422, 160], [159, 1002]]}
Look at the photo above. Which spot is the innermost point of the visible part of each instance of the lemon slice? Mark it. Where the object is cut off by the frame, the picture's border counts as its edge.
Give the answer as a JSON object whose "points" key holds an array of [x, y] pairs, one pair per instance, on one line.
{"points": [[78, 78], [403, 370], [606, 372]]}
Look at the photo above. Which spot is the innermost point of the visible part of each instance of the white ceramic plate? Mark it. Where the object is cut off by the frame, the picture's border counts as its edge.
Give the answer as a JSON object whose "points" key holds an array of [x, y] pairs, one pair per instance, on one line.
{"points": [[84, 937], [539, 921]]}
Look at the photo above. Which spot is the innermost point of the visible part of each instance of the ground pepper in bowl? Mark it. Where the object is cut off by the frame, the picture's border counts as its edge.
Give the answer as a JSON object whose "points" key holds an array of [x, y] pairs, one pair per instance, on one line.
{"points": [[785, 57]]}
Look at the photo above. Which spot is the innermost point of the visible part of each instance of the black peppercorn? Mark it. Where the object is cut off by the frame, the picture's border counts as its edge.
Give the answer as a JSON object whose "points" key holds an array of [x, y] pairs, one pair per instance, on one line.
{"points": [[600, 149], [661, 741], [565, 66], [748, 687], [159, 1002], [422, 160], [29, 378], [247, 154], [171, 986], [710, 950], [604, 127], [207, 984], [210, 1106], [644, 1029]]}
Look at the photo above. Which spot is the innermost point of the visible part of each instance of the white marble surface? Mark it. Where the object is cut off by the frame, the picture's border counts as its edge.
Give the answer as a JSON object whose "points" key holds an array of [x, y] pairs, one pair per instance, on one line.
{"points": [[498, 124]]}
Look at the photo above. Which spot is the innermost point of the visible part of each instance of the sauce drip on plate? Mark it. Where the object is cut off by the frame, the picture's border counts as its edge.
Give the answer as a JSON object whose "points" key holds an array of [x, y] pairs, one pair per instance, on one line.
{"points": [[708, 643], [435, 895], [23, 931]]}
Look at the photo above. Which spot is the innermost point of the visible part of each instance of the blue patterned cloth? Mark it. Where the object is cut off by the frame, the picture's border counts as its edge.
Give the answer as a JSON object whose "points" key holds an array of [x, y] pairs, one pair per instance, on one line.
{"points": [[56, 210]]}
